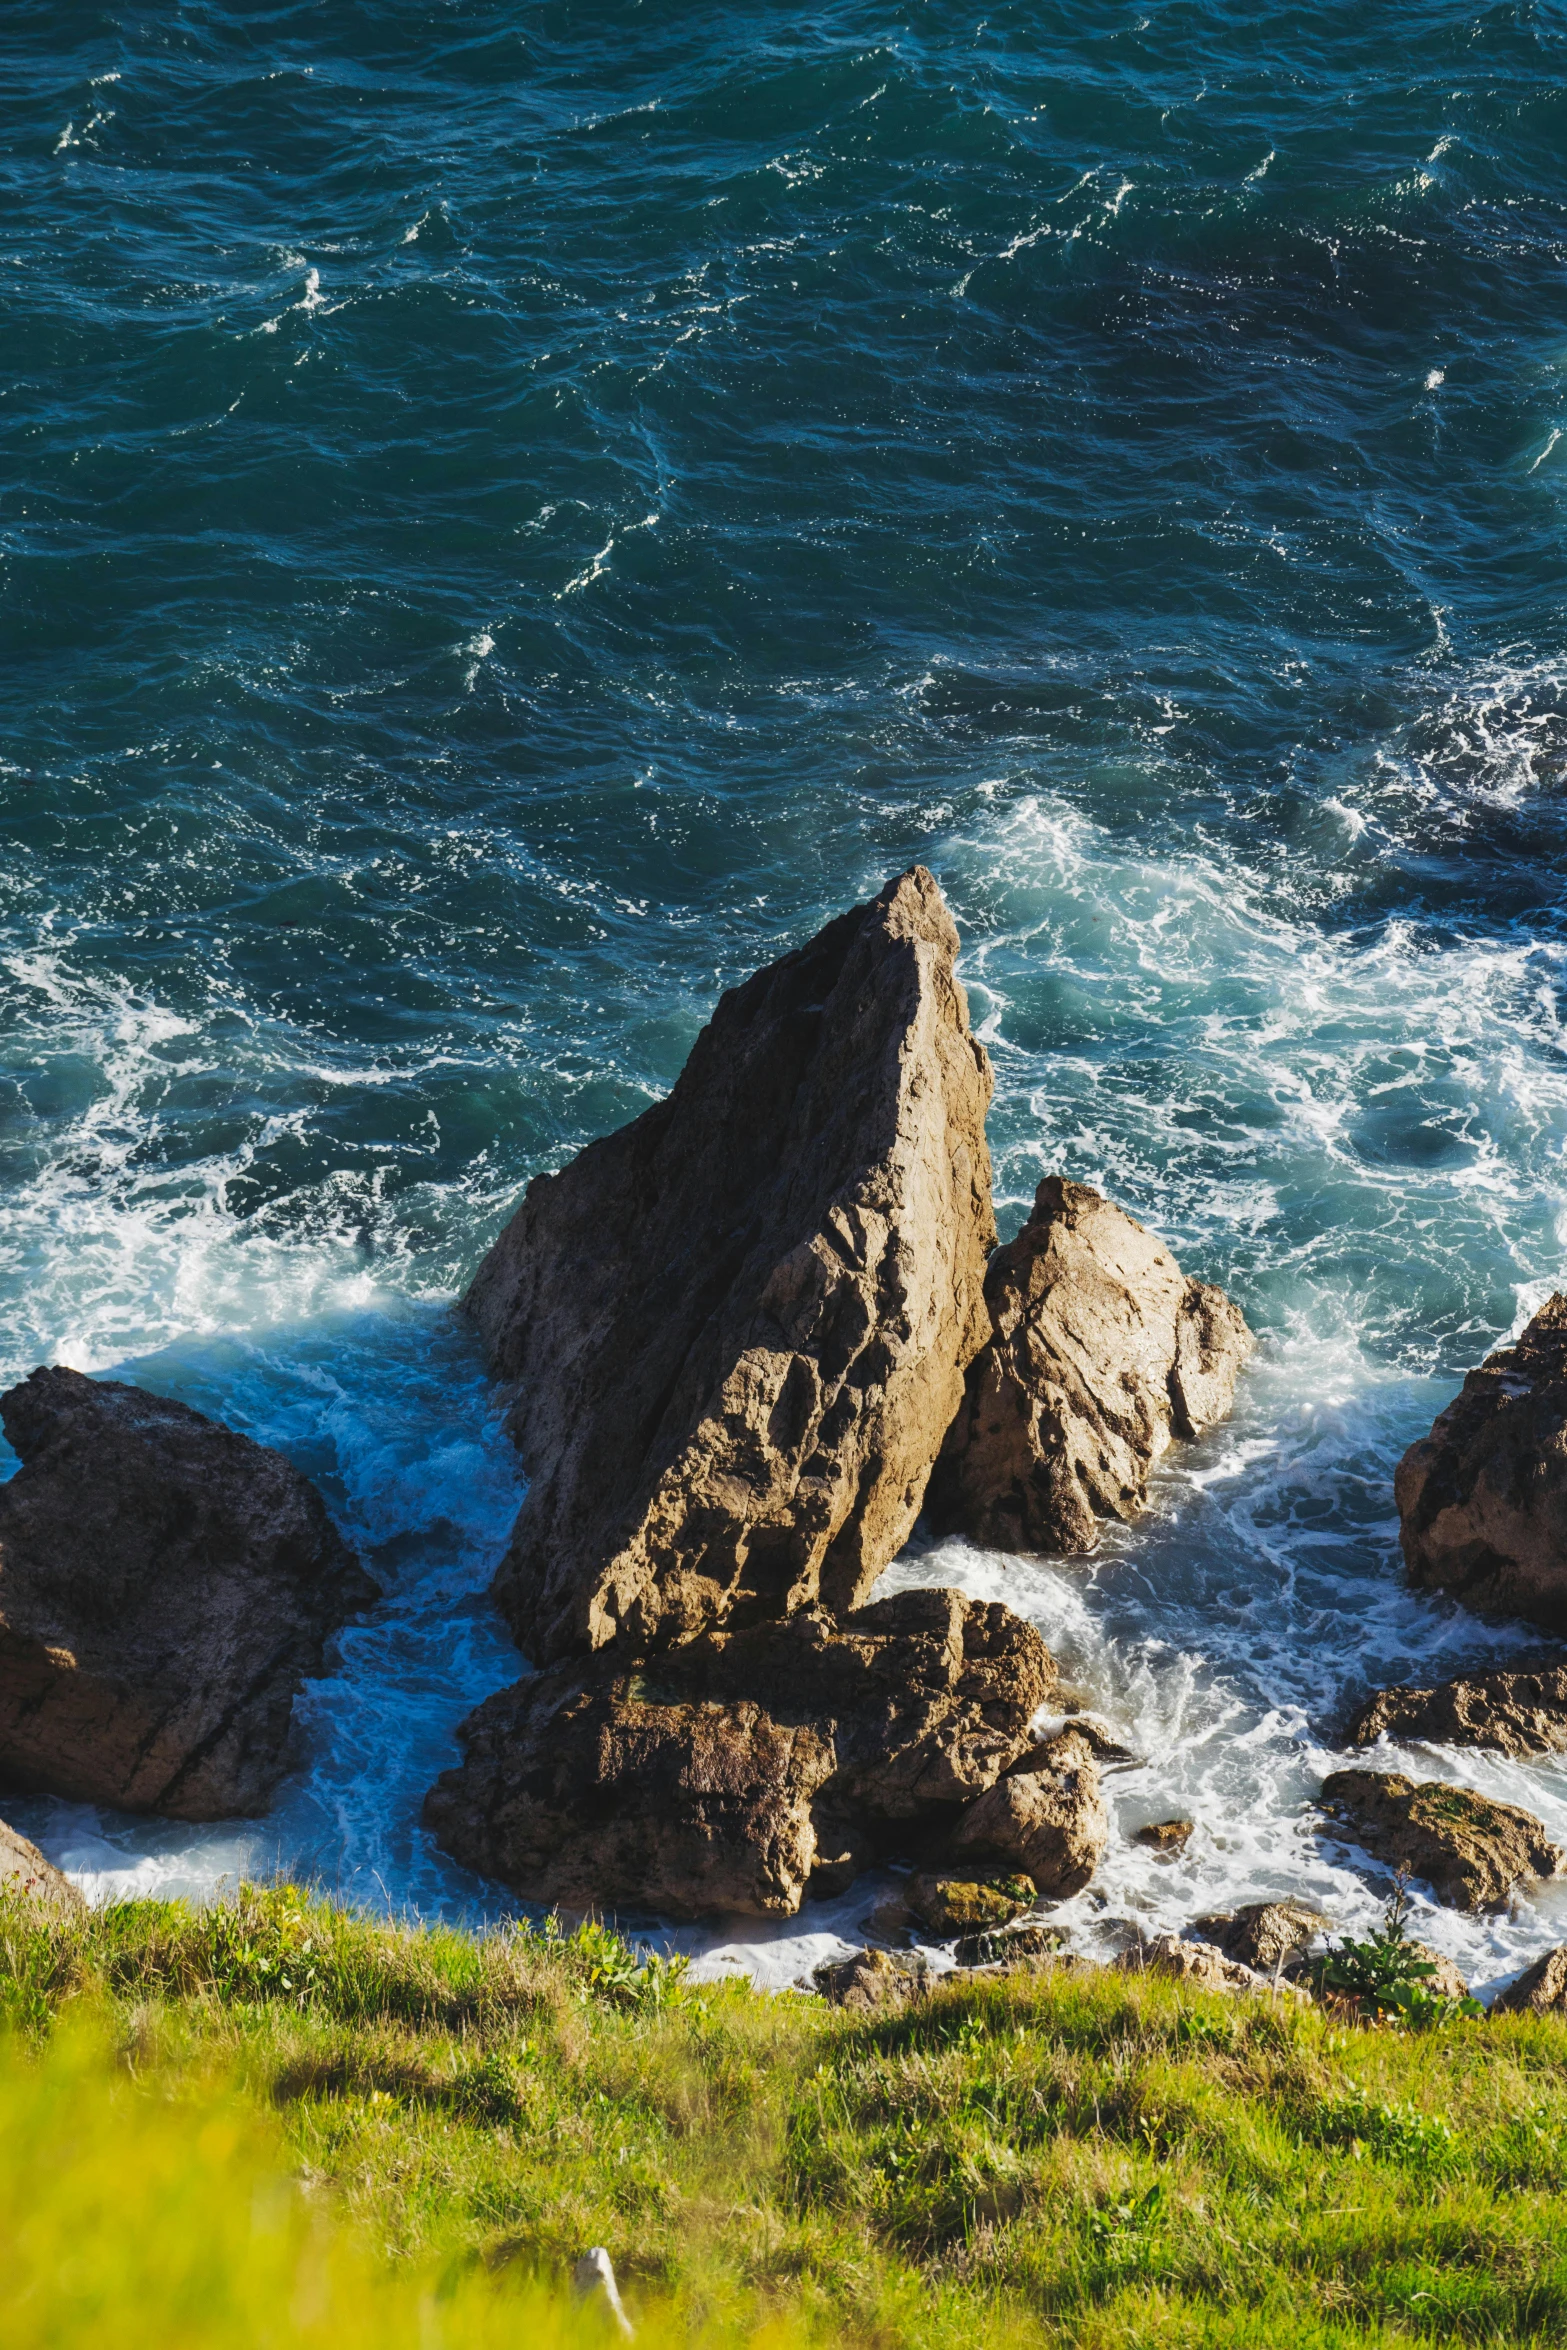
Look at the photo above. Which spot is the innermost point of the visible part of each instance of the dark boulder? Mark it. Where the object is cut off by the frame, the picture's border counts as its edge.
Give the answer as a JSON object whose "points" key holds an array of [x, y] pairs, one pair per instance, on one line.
{"points": [[744, 1770], [165, 1584], [1470, 1850], [1521, 1710], [1482, 1500], [738, 1327], [1101, 1351]]}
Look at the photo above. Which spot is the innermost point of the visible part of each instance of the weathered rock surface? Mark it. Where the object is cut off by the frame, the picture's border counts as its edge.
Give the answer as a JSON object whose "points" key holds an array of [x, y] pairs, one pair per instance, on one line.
{"points": [[27, 1877], [1191, 1962], [1540, 1990], [1483, 1499], [1446, 1979], [1007, 1945], [1101, 1352], [164, 1586], [1469, 1849], [1044, 1816], [1522, 1711], [1166, 1837], [947, 1905], [1265, 1935], [870, 1979], [739, 1326], [739, 1771]]}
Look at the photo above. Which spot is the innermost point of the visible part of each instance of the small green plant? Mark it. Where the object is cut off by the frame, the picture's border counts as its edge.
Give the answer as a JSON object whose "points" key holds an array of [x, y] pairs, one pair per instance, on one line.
{"points": [[1385, 2128], [264, 1948], [611, 1969], [1122, 2233], [1384, 1979]]}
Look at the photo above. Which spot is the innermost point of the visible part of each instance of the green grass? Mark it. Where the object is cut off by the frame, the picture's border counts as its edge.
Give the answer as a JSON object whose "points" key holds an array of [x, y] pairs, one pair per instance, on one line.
{"points": [[1078, 2158]]}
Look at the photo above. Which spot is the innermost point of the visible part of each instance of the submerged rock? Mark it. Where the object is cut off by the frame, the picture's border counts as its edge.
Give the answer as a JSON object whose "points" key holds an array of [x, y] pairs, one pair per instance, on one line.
{"points": [[1264, 1935], [1166, 1837], [742, 1770], [1482, 1500], [1045, 1816], [26, 1876], [1521, 1710], [1101, 1352], [739, 1326], [1470, 1850], [165, 1584], [1540, 1990]]}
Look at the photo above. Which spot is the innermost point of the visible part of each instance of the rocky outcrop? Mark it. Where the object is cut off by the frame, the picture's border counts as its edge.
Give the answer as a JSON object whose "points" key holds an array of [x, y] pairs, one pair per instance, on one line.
{"points": [[26, 1877], [1266, 1935], [1045, 1817], [869, 1979], [1446, 1979], [946, 1905], [738, 1327], [1469, 1849], [1482, 1500], [741, 1771], [1101, 1351], [1521, 1711], [1540, 1990], [164, 1585], [1197, 1963]]}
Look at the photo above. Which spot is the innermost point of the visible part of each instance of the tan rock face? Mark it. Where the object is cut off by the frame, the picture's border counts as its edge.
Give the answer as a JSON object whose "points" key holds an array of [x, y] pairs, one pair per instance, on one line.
{"points": [[734, 1773], [1470, 1850], [26, 1876], [871, 1979], [1540, 1990], [1483, 1498], [739, 1326], [1046, 1817], [164, 1586], [1265, 1935], [1521, 1712], [1101, 1351], [947, 1905], [1198, 1963]]}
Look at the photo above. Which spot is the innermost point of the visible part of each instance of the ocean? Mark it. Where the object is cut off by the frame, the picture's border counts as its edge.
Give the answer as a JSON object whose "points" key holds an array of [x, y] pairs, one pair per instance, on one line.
{"points": [[512, 515]]}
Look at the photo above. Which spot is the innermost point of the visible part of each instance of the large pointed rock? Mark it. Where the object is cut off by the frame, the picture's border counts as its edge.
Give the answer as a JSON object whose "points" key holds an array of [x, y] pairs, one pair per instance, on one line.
{"points": [[741, 1770], [738, 1327], [1102, 1351], [164, 1585], [1483, 1499]]}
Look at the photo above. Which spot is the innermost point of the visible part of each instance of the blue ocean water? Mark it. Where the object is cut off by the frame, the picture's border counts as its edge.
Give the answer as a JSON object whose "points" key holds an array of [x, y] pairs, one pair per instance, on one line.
{"points": [[512, 514]]}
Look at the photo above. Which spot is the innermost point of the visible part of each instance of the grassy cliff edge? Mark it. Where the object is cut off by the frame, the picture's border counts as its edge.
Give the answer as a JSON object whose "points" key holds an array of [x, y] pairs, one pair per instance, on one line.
{"points": [[1071, 2156]]}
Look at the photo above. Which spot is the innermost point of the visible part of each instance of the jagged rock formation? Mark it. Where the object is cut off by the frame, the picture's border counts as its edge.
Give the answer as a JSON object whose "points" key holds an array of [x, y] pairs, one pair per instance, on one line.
{"points": [[164, 1585], [1469, 1849], [1522, 1710], [737, 1772], [26, 1877], [1101, 1352], [1265, 1935], [1045, 1816], [1483, 1499], [739, 1326], [1540, 1990]]}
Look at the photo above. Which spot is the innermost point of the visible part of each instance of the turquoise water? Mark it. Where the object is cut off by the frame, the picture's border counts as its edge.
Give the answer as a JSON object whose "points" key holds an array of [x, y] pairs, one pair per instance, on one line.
{"points": [[512, 515]]}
